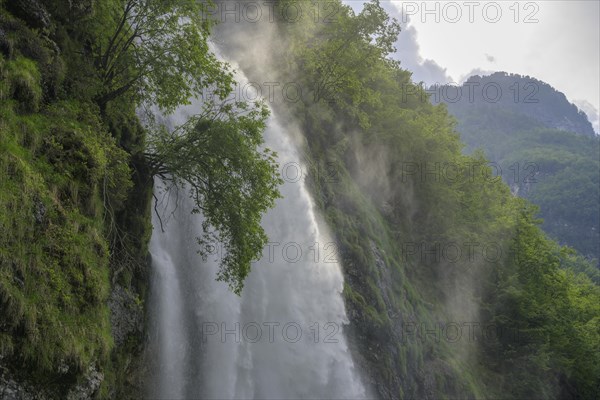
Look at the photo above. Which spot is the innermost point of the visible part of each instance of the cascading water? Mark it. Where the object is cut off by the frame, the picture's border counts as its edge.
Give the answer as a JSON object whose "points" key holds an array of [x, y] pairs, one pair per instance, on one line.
{"points": [[282, 338]]}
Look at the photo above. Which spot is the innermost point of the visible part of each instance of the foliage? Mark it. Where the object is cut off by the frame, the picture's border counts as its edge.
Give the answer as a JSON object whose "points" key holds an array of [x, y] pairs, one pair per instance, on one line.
{"points": [[335, 61], [64, 189], [401, 178], [54, 259], [546, 151], [159, 51], [554, 315], [216, 155], [22, 82]]}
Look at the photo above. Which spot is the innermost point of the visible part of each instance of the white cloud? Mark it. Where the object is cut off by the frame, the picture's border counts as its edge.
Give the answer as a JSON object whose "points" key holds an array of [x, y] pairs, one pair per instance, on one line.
{"points": [[407, 47], [591, 112], [559, 44]]}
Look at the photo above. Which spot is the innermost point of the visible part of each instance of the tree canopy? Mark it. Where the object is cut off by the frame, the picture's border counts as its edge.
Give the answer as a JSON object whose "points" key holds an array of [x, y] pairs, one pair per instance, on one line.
{"points": [[158, 54], [216, 156]]}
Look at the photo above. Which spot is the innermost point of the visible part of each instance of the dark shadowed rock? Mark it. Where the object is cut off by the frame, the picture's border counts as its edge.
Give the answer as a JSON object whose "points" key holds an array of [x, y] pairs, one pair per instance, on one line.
{"points": [[32, 11], [126, 315]]}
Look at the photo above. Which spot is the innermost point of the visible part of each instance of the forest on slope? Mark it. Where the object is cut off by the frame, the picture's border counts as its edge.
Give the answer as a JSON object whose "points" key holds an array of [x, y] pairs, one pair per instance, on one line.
{"points": [[422, 252], [75, 198], [541, 145], [406, 206]]}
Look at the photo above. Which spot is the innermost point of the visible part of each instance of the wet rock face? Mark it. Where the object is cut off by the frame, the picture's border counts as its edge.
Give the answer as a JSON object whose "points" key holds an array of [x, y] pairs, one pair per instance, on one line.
{"points": [[39, 213], [11, 390], [90, 385], [126, 314]]}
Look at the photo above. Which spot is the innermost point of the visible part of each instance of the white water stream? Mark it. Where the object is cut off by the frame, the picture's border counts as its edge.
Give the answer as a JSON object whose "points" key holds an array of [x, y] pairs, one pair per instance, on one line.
{"points": [[283, 337]]}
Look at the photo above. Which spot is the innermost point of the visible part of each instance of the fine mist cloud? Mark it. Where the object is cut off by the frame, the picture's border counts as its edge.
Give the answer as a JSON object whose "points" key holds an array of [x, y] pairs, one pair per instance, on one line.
{"points": [[591, 112]]}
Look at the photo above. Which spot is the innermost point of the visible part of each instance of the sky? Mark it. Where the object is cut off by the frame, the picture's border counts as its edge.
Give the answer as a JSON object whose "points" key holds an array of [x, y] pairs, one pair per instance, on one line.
{"points": [[555, 41]]}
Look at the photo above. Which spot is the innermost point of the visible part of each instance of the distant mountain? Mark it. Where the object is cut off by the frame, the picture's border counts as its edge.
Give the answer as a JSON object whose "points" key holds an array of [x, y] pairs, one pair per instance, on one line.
{"points": [[523, 95], [542, 145]]}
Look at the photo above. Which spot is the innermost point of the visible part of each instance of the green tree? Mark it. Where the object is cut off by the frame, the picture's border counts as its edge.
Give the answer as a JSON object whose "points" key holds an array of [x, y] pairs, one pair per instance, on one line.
{"points": [[548, 316], [339, 63], [158, 52], [216, 155]]}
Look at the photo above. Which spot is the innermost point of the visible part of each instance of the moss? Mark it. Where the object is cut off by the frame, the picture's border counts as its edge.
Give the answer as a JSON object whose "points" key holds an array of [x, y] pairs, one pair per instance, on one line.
{"points": [[54, 270], [54, 255], [22, 82], [75, 199]]}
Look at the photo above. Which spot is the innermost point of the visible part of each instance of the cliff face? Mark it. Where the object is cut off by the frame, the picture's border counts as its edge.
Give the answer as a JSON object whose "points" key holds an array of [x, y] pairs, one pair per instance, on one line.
{"points": [[541, 145], [414, 218], [75, 197], [75, 219], [523, 95], [87, 388]]}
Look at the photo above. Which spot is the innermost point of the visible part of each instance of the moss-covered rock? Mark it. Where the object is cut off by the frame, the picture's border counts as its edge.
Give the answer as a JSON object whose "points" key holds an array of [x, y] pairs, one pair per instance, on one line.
{"points": [[75, 198], [22, 82]]}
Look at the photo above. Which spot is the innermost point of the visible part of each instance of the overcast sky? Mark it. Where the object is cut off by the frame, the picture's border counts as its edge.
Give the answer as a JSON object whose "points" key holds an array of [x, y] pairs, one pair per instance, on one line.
{"points": [[557, 42]]}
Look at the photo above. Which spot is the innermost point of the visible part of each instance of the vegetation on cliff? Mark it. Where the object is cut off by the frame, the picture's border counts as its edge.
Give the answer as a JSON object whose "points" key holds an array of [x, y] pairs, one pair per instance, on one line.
{"points": [[430, 240], [542, 146], [70, 174], [78, 170]]}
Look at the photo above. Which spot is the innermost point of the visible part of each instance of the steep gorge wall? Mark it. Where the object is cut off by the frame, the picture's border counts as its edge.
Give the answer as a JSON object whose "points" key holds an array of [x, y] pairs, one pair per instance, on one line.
{"points": [[75, 200]]}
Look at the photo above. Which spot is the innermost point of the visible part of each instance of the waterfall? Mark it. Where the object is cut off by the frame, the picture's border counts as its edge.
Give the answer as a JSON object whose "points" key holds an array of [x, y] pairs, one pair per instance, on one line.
{"points": [[283, 337]]}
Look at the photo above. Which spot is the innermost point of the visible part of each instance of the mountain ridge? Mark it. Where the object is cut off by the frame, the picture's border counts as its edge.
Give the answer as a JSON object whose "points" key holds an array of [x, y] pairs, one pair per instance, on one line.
{"points": [[526, 94], [541, 144]]}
